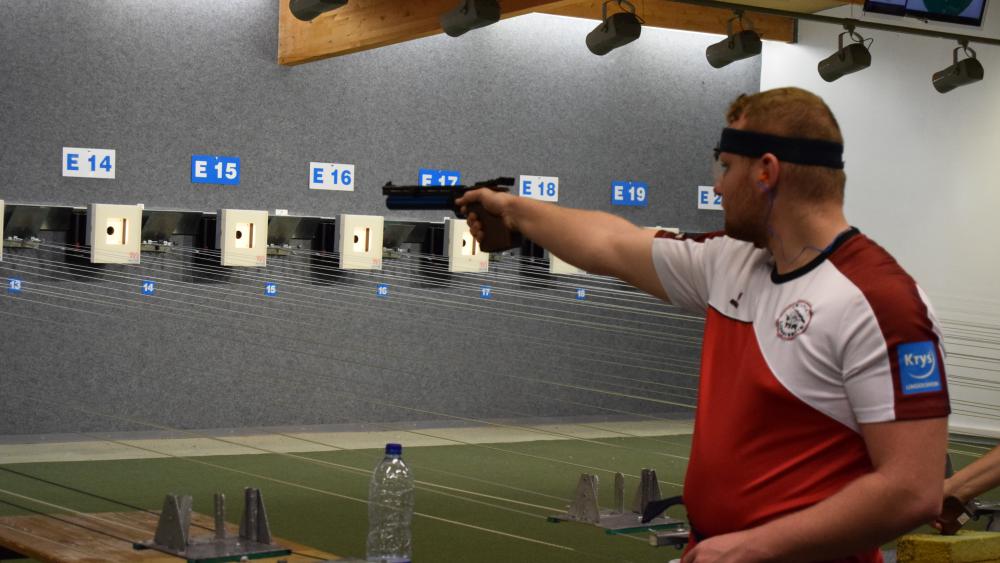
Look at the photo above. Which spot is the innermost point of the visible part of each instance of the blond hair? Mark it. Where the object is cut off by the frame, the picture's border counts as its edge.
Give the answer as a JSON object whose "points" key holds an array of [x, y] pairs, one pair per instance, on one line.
{"points": [[794, 112]]}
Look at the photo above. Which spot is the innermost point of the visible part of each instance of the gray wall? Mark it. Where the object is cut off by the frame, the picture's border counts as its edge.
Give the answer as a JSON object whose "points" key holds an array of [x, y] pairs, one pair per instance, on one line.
{"points": [[160, 81]]}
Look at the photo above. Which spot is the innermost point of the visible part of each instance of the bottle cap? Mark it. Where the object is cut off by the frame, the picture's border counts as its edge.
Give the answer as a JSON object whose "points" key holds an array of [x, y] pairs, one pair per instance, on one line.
{"points": [[393, 449]]}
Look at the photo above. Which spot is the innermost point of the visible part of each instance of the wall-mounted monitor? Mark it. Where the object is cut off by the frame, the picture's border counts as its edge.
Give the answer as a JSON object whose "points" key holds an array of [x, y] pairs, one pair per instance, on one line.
{"points": [[966, 12]]}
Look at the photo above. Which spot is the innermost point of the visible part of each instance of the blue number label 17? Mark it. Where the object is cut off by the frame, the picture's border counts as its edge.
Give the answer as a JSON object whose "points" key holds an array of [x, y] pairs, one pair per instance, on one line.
{"points": [[13, 285], [486, 292], [331, 176], [148, 287], [382, 290], [435, 177], [270, 289]]}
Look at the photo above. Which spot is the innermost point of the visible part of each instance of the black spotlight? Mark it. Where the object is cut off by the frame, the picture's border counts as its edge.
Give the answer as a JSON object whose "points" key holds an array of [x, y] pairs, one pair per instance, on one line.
{"points": [[620, 29], [470, 15], [846, 60], [735, 47], [308, 10], [962, 72]]}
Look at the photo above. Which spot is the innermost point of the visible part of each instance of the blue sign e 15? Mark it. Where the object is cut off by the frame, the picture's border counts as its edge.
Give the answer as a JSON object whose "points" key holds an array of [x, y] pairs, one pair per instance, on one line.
{"points": [[209, 169]]}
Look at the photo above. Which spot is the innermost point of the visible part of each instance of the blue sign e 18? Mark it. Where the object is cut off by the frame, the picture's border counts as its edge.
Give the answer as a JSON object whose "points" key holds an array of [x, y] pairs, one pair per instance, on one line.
{"points": [[632, 194], [208, 169], [432, 177]]}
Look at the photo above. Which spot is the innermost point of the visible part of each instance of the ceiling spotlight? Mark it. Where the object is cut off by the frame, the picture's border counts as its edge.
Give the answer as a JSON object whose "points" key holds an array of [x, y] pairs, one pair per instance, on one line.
{"points": [[848, 59], [961, 72], [470, 15], [736, 46], [620, 29], [308, 10]]}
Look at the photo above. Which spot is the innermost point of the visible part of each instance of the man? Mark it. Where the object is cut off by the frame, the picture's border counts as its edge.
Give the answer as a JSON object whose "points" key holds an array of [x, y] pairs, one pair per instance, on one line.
{"points": [[821, 424], [966, 484]]}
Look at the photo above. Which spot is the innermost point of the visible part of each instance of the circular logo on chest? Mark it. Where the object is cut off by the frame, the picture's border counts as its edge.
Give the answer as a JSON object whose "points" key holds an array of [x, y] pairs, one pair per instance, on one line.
{"points": [[794, 320]]}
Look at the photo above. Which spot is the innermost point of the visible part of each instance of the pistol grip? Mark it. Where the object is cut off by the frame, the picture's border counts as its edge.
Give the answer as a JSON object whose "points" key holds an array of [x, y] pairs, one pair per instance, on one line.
{"points": [[496, 235]]}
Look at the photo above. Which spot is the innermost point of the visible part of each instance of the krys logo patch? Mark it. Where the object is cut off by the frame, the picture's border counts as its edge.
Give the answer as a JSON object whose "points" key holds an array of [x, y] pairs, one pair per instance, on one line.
{"points": [[918, 368]]}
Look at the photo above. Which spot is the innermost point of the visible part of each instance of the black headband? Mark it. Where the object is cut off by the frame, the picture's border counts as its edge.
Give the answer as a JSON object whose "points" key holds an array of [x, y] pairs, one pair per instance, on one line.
{"points": [[813, 152]]}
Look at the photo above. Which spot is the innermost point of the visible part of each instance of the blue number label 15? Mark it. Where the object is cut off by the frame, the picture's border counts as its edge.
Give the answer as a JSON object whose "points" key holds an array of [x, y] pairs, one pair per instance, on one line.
{"points": [[13, 285], [88, 163], [435, 177], [270, 289], [210, 169], [331, 176], [544, 188], [148, 287]]}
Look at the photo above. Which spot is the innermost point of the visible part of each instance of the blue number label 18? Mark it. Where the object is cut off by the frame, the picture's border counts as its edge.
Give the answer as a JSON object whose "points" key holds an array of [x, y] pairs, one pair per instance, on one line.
{"points": [[13, 285], [581, 293], [88, 163], [270, 289], [382, 290], [435, 177], [486, 292], [331, 176], [148, 287], [544, 188]]}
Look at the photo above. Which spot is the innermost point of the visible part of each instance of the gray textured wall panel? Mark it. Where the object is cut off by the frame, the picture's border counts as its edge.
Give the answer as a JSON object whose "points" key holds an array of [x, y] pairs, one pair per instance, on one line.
{"points": [[160, 81]]}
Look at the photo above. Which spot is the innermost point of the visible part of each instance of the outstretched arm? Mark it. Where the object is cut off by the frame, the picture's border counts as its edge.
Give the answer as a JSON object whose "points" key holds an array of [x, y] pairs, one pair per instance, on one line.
{"points": [[597, 242]]}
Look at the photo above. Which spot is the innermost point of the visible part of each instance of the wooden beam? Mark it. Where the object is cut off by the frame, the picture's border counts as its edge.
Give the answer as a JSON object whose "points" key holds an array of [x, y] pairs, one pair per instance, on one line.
{"points": [[367, 24], [689, 17]]}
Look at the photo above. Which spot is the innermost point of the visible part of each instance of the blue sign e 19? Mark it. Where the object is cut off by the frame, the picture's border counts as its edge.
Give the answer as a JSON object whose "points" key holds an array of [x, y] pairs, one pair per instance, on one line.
{"points": [[208, 169], [432, 177], [632, 194]]}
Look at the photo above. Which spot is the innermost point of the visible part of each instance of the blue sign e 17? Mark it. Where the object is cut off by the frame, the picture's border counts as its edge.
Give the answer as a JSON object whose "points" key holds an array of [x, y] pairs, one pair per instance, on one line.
{"points": [[432, 177], [209, 169]]}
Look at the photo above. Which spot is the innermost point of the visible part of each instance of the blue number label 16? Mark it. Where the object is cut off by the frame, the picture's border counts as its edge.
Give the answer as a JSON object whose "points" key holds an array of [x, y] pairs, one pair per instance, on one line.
{"points": [[382, 290], [332, 176]]}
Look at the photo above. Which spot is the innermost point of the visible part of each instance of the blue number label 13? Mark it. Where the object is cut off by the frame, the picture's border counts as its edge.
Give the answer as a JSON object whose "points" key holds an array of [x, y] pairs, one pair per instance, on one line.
{"points": [[209, 169], [632, 194], [434, 177], [88, 163], [331, 176], [13, 285], [544, 188]]}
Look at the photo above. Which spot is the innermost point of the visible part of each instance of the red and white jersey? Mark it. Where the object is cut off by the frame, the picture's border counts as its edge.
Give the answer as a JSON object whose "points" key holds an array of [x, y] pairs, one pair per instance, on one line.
{"points": [[791, 365]]}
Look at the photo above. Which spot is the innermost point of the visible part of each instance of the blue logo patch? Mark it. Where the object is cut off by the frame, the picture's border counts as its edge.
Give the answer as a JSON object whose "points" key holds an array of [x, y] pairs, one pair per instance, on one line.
{"points": [[918, 368]]}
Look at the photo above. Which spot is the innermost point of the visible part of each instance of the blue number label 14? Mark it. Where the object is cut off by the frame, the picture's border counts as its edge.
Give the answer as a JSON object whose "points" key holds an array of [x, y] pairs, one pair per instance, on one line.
{"points": [[148, 287], [434, 177], [270, 289], [331, 176], [544, 188], [88, 163], [210, 169], [708, 199], [13, 285], [382, 290], [631, 194]]}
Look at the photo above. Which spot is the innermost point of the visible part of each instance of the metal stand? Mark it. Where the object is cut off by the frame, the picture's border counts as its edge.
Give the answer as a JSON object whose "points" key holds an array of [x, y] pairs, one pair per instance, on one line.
{"points": [[173, 532], [584, 507]]}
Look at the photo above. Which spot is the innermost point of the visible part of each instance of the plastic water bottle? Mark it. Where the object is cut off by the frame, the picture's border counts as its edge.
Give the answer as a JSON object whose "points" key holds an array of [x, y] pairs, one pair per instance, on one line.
{"points": [[390, 509]]}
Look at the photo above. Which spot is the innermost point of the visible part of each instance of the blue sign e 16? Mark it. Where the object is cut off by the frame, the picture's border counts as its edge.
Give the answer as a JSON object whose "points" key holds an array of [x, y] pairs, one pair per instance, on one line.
{"points": [[209, 169], [632, 194]]}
